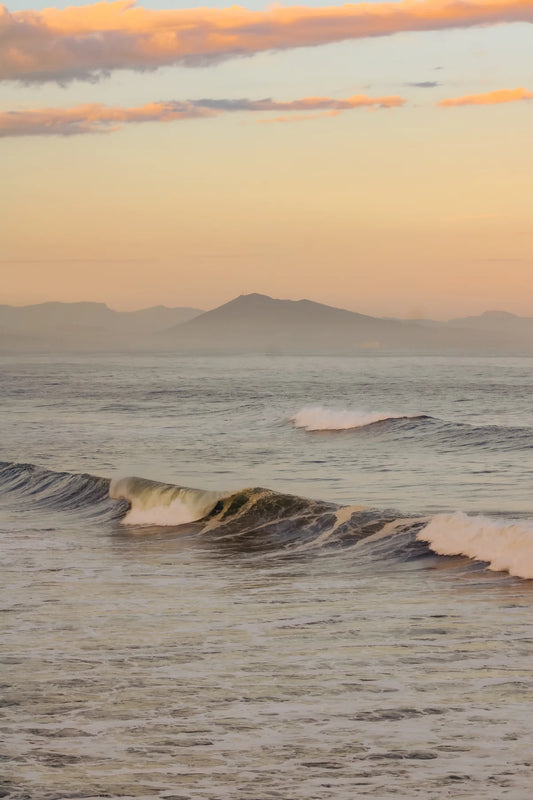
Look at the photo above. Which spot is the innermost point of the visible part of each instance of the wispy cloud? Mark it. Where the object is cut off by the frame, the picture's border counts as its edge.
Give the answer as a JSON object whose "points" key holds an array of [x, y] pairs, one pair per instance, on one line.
{"points": [[488, 98], [88, 41], [99, 118], [423, 84], [91, 118], [302, 104]]}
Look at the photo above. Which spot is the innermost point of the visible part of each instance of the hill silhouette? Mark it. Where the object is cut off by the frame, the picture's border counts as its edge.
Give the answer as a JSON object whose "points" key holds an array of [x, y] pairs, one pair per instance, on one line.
{"points": [[258, 323], [255, 323], [79, 326]]}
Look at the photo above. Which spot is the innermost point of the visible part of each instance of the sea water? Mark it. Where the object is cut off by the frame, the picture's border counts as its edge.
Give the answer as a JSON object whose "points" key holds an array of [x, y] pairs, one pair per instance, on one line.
{"points": [[242, 577]]}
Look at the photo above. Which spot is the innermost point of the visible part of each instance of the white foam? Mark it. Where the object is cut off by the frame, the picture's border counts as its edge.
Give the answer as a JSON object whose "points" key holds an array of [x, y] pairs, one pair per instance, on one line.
{"points": [[505, 544], [318, 418], [153, 503]]}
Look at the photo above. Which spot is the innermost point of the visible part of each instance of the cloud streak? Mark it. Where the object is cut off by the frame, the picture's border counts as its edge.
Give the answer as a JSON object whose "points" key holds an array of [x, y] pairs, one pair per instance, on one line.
{"points": [[100, 118], [488, 98], [423, 84], [92, 118], [86, 42]]}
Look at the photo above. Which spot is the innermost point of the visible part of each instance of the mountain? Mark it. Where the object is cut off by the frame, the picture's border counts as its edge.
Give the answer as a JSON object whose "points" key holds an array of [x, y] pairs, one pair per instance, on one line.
{"points": [[258, 323], [515, 331], [255, 323], [495, 320], [71, 326], [156, 318]]}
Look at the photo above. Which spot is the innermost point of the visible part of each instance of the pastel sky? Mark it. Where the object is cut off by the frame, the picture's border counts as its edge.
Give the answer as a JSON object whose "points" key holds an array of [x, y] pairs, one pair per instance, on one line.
{"points": [[376, 156]]}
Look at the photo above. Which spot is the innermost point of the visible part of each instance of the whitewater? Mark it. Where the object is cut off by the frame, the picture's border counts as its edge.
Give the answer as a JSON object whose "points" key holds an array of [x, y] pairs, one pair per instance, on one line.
{"points": [[318, 418], [266, 577]]}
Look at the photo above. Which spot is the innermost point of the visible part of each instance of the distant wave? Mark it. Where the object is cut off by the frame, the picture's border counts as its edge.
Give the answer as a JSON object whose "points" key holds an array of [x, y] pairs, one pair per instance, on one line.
{"points": [[258, 520], [427, 428], [506, 545], [318, 418]]}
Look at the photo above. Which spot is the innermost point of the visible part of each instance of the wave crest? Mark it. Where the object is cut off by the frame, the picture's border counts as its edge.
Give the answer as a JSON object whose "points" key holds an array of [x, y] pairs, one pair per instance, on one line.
{"points": [[319, 418], [504, 544], [153, 503]]}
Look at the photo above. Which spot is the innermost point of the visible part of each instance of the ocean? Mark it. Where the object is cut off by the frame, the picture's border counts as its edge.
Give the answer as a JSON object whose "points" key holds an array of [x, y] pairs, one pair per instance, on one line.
{"points": [[256, 577]]}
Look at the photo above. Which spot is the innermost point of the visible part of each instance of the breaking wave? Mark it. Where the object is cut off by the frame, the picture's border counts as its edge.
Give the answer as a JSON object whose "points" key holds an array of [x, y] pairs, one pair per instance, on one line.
{"points": [[153, 503], [425, 429], [505, 545], [260, 520], [318, 418]]}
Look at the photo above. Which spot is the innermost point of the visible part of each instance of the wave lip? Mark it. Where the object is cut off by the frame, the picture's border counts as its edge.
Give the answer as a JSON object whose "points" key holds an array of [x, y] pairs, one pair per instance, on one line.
{"points": [[319, 418], [153, 503], [506, 545]]}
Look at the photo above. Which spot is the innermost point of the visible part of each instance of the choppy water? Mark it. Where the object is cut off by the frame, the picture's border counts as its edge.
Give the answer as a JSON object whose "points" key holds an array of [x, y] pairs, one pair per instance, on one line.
{"points": [[301, 640]]}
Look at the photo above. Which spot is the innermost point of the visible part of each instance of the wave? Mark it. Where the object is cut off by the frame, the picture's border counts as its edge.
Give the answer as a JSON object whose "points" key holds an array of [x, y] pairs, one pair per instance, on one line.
{"points": [[153, 503], [261, 520], [505, 545], [81, 492], [425, 429], [319, 418], [480, 437], [252, 518]]}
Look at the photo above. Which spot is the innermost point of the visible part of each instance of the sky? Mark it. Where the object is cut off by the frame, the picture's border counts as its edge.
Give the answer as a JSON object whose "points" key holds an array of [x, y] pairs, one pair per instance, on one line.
{"points": [[374, 156]]}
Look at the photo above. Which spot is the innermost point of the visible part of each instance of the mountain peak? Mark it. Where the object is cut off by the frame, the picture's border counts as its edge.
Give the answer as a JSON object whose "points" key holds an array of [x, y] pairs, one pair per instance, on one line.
{"points": [[253, 297]]}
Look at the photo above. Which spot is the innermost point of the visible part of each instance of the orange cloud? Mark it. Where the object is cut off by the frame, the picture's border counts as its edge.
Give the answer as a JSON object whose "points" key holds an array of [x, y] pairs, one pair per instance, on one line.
{"points": [[91, 118], [99, 118], [89, 41], [489, 98], [335, 107]]}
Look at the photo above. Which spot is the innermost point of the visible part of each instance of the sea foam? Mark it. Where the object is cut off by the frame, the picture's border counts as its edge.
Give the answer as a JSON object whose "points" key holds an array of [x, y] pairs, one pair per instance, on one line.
{"points": [[318, 418], [505, 544]]}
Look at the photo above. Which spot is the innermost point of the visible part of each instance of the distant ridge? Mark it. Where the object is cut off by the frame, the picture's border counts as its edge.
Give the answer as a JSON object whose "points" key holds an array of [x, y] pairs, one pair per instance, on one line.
{"points": [[259, 323], [84, 325], [494, 319], [255, 323]]}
